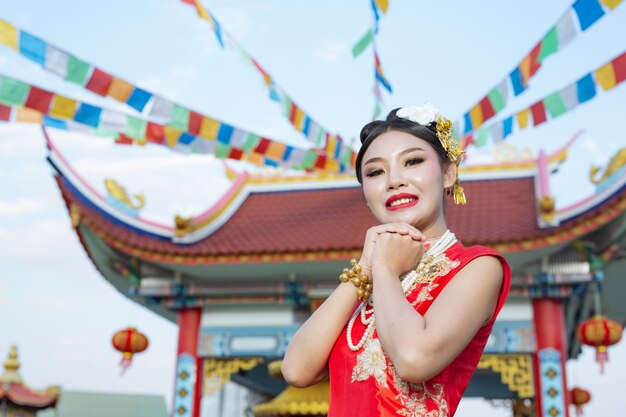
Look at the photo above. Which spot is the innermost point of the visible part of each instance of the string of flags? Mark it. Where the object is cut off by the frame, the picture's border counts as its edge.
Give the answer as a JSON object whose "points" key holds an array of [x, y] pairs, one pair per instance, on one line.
{"points": [[22, 102], [167, 112], [378, 6], [560, 35], [298, 118], [555, 104]]}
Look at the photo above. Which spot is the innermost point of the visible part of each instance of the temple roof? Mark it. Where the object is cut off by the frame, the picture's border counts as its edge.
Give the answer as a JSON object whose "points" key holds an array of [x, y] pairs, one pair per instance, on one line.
{"points": [[13, 389], [265, 220]]}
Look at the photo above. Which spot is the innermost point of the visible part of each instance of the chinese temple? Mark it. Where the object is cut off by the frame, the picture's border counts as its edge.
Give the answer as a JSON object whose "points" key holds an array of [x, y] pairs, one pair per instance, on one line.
{"points": [[242, 276], [16, 398]]}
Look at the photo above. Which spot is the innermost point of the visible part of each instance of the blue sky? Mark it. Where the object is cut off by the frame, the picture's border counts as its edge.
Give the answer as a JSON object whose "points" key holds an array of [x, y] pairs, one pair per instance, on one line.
{"points": [[61, 312]]}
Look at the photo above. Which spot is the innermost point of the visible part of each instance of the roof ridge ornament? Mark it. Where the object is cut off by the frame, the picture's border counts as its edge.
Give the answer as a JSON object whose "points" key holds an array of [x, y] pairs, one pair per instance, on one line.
{"points": [[119, 198], [11, 365], [615, 164]]}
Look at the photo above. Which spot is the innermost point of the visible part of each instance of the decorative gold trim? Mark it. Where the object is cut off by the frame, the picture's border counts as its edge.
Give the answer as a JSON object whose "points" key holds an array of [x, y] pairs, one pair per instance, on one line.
{"points": [[516, 372], [217, 371], [547, 208], [294, 401]]}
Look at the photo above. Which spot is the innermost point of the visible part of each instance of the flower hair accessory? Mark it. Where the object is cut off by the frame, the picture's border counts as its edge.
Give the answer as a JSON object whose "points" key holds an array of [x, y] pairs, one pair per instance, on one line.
{"points": [[427, 114]]}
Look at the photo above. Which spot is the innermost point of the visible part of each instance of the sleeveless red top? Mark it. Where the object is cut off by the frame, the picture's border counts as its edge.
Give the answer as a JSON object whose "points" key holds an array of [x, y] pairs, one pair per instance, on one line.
{"points": [[364, 383]]}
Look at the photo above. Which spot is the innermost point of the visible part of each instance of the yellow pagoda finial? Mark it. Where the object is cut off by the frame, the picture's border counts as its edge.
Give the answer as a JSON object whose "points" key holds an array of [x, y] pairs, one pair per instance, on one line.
{"points": [[11, 365]]}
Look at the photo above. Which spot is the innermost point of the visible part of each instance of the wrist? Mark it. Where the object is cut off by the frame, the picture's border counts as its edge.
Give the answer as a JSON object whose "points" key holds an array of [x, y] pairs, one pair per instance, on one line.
{"points": [[366, 268], [383, 271]]}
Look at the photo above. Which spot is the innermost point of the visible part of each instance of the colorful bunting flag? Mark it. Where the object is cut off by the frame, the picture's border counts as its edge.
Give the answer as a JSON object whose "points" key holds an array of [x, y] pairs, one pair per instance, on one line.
{"points": [[32, 47], [24, 115], [363, 43], [588, 12], [39, 100], [557, 103], [549, 44], [383, 5], [557, 38], [611, 4], [138, 99], [8, 35], [5, 111], [88, 115], [522, 118], [605, 75], [565, 29], [63, 107], [570, 96], [56, 61], [120, 89], [13, 92], [77, 70]]}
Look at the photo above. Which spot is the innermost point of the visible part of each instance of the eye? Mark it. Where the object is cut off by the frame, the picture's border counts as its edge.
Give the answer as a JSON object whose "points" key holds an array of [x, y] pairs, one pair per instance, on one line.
{"points": [[374, 173], [413, 161]]}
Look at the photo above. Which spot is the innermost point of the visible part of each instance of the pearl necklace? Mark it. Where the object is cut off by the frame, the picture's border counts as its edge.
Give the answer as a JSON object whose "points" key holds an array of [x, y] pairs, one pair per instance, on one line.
{"points": [[436, 249]]}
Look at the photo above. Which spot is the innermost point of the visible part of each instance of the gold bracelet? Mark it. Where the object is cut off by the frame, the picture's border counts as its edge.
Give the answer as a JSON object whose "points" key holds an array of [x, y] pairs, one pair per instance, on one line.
{"points": [[362, 282]]}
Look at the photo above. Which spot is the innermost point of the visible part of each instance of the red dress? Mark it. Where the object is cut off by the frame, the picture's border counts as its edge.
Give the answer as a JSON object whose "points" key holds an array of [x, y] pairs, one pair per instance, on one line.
{"points": [[364, 383]]}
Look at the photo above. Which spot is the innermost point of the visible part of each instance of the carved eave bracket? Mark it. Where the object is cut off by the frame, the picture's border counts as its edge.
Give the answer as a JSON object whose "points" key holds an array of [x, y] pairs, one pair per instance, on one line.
{"points": [[217, 371], [516, 372]]}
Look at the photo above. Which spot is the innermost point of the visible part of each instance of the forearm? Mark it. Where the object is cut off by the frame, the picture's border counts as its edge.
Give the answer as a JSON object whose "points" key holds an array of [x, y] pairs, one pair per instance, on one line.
{"points": [[309, 349], [401, 330]]}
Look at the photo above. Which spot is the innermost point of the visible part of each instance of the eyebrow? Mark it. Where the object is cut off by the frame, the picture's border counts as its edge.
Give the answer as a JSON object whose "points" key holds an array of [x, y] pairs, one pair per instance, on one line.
{"points": [[377, 159]]}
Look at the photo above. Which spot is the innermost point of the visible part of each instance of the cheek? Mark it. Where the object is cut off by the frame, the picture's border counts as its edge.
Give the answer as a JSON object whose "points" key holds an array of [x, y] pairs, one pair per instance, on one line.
{"points": [[432, 174], [369, 189]]}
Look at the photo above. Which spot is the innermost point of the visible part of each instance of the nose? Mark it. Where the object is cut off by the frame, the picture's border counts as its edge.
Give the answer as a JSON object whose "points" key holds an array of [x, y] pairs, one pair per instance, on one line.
{"points": [[395, 179]]}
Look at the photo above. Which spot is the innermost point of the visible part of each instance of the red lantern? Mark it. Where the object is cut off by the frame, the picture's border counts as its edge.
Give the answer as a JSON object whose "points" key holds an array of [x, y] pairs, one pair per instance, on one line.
{"points": [[129, 341], [599, 332], [579, 397]]}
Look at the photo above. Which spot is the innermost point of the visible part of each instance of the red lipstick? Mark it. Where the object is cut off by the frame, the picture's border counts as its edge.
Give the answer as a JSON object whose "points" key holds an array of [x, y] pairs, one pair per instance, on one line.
{"points": [[393, 203]]}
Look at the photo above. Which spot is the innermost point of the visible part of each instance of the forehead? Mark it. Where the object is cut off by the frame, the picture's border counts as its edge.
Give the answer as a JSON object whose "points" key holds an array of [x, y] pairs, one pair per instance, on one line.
{"points": [[391, 143]]}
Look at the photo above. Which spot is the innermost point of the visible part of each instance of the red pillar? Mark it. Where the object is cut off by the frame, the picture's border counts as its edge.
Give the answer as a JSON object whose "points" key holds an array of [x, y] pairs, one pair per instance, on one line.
{"points": [[188, 385], [550, 379]]}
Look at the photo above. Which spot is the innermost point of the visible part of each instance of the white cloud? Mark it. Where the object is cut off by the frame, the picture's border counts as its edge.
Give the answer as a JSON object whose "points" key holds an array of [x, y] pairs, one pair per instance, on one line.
{"points": [[171, 85], [590, 145], [236, 21], [330, 51], [20, 207], [50, 240]]}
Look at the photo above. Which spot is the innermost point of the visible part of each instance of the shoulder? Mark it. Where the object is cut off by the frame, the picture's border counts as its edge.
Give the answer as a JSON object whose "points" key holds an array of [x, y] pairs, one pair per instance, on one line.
{"points": [[483, 257]]}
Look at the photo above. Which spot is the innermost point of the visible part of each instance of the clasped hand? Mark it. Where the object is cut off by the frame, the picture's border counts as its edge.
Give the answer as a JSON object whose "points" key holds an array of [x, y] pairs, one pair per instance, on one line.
{"points": [[392, 247]]}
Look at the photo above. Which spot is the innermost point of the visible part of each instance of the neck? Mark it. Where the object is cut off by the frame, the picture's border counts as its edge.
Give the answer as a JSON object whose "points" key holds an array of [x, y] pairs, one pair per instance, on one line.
{"points": [[435, 230]]}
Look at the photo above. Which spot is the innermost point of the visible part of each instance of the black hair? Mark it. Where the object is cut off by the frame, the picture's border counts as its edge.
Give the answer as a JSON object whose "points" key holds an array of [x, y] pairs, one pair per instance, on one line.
{"points": [[394, 123]]}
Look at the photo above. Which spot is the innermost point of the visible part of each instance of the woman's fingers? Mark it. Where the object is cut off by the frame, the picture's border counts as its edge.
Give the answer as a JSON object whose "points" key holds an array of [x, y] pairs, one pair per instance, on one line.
{"points": [[399, 228]]}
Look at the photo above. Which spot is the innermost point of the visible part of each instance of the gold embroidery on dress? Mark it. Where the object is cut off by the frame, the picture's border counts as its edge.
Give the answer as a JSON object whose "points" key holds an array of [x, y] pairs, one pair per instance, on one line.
{"points": [[413, 398], [424, 294], [371, 362], [432, 267]]}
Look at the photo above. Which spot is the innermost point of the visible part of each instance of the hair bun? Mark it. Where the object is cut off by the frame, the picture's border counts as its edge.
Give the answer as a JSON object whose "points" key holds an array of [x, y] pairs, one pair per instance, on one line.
{"points": [[368, 128]]}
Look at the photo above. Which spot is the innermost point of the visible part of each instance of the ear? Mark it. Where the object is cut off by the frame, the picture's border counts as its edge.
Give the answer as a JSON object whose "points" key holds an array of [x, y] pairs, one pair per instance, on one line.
{"points": [[449, 175]]}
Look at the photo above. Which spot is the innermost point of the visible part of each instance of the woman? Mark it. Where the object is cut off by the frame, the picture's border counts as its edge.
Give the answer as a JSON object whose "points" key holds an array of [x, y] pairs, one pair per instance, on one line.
{"points": [[411, 348]]}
